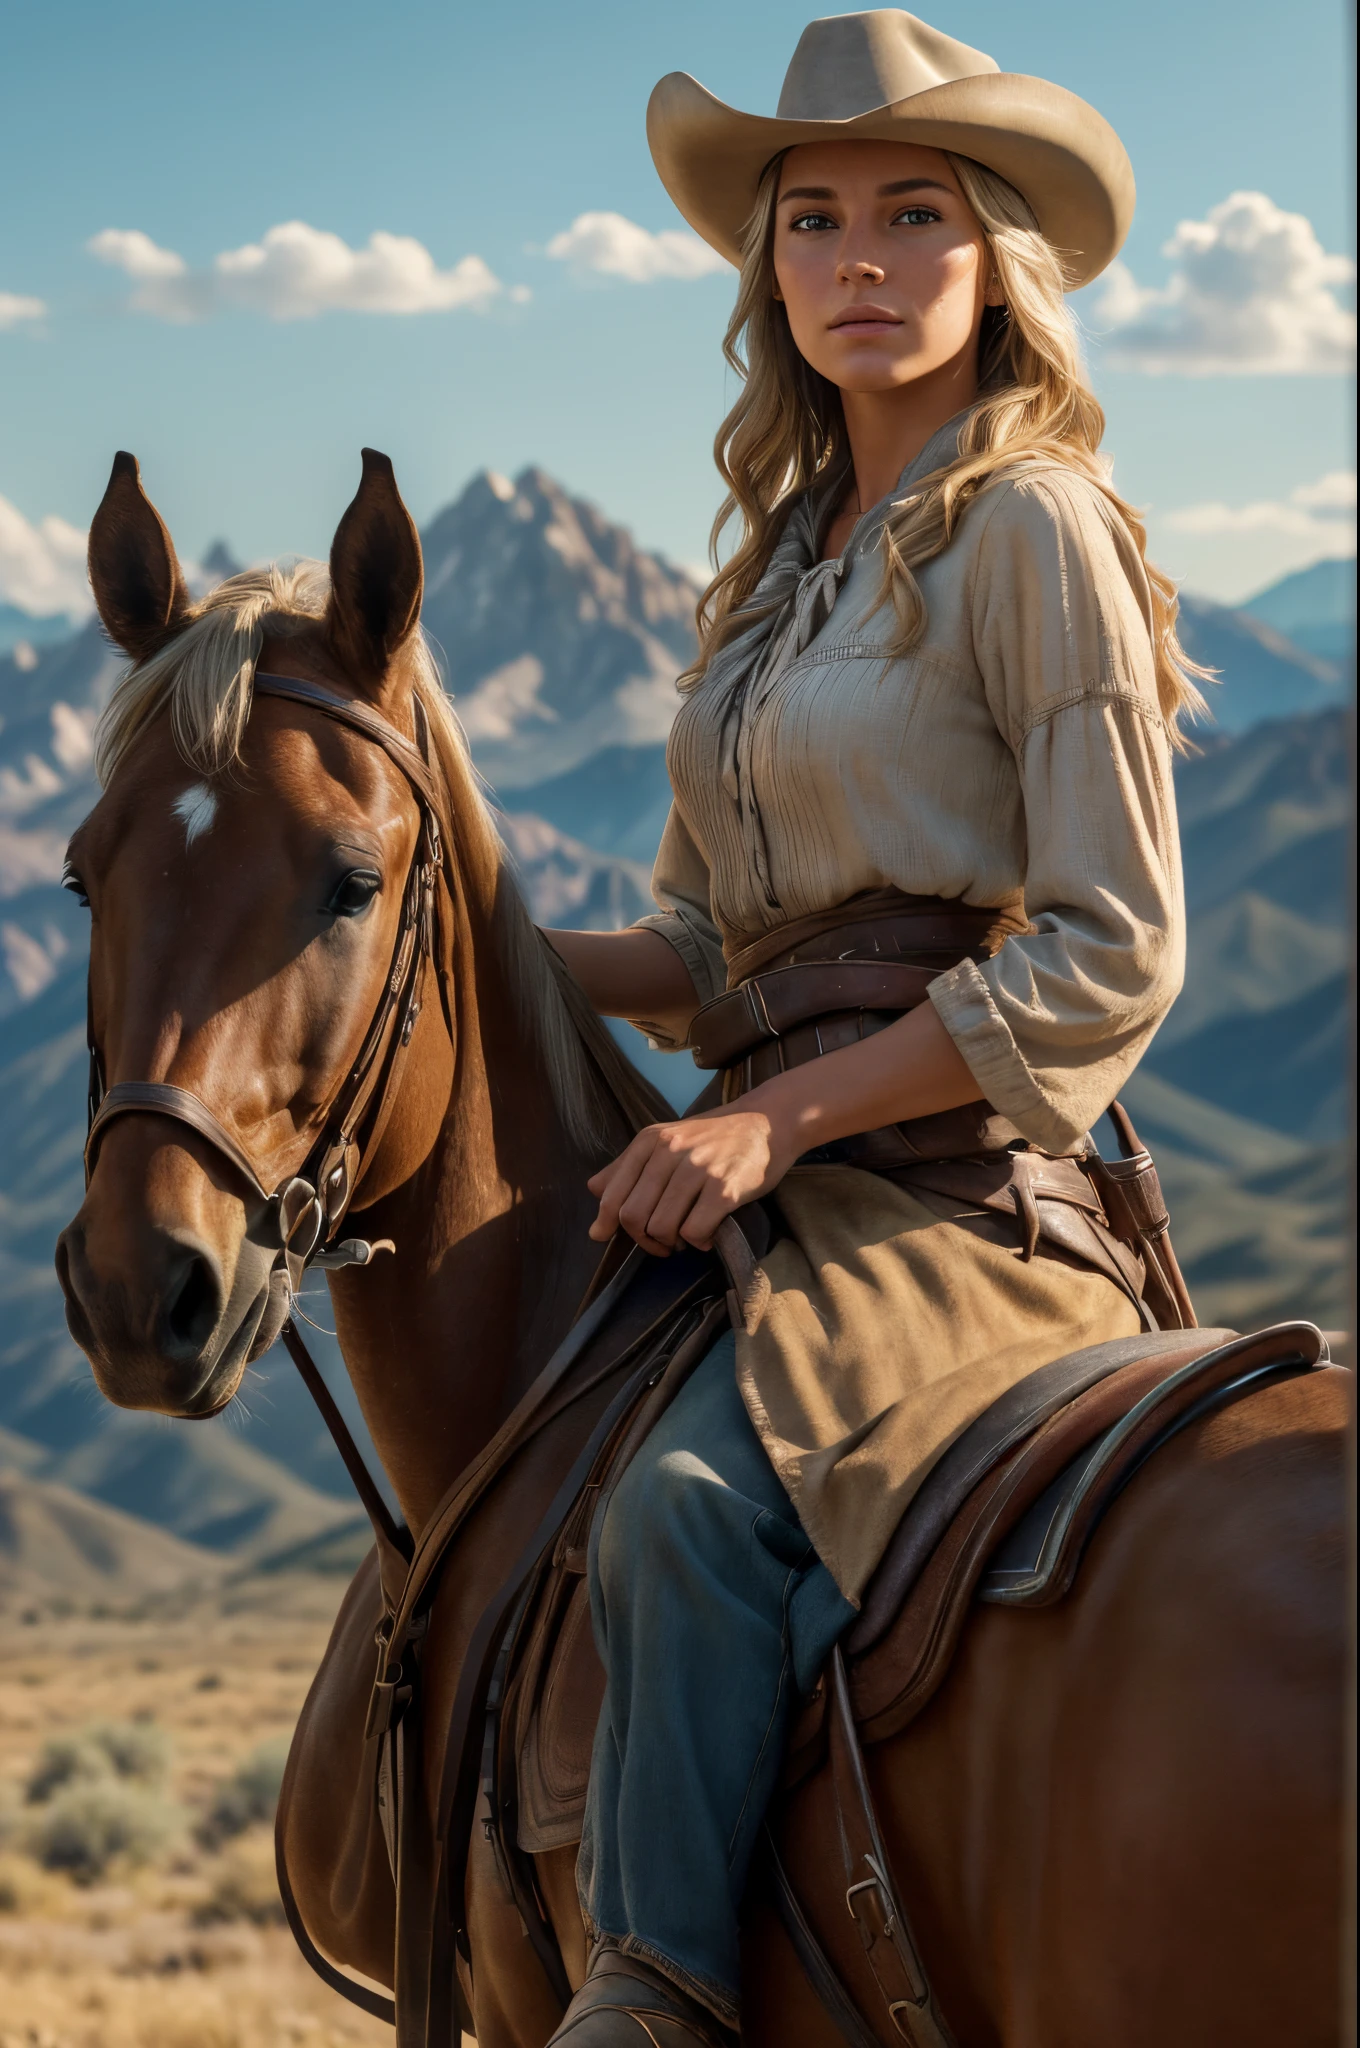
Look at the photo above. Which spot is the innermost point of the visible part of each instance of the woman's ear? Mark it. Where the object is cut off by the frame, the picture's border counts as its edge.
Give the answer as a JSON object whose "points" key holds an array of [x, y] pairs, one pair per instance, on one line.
{"points": [[377, 577], [134, 572]]}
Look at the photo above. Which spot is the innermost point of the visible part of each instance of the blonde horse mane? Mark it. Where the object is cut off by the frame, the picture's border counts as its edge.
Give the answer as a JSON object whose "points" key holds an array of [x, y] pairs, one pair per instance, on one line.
{"points": [[204, 680]]}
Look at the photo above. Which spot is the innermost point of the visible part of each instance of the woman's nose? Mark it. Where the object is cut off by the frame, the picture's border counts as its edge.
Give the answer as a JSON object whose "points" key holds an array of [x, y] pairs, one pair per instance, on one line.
{"points": [[855, 271]]}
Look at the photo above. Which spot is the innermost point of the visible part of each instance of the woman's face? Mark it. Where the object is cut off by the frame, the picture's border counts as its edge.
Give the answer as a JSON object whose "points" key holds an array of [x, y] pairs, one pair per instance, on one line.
{"points": [[880, 262]]}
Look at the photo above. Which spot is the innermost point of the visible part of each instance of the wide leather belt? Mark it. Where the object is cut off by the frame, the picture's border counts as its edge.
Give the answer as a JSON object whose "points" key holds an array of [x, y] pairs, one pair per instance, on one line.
{"points": [[771, 1006], [819, 992]]}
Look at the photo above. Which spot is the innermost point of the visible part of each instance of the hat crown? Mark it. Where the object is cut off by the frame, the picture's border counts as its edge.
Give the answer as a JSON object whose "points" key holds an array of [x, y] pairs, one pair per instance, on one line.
{"points": [[849, 64]]}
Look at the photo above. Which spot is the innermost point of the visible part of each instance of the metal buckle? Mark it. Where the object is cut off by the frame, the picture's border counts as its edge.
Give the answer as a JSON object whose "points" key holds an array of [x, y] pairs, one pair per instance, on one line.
{"points": [[890, 1931], [300, 1217], [870, 1884], [755, 1003]]}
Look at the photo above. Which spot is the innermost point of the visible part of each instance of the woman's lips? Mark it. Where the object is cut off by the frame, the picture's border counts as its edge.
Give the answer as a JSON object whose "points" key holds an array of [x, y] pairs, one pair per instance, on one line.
{"points": [[864, 320]]}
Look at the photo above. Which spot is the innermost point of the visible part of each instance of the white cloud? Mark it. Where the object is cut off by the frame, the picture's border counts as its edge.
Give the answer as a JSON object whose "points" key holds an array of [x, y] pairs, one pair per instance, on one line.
{"points": [[608, 244], [1334, 492], [42, 567], [14, 308], [130, 250], [1321, 513], [295, 272], [1252, 292]]}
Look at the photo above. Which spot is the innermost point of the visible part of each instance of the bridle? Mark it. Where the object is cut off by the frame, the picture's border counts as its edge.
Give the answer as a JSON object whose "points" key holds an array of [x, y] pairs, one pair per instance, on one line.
{"points": [[307, 1207]]}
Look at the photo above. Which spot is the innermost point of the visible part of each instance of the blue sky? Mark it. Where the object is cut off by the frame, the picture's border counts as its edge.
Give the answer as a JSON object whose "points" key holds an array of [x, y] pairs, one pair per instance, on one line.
{"points": [[487, 132]]}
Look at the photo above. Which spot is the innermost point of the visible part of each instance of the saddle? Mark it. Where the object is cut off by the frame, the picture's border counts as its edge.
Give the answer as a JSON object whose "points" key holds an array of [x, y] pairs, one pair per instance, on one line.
{"points": [[1004, 1517]]}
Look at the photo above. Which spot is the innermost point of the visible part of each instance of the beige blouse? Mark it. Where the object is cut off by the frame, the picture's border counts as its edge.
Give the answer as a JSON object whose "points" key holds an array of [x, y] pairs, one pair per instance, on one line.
{"points": [[1017, 753]]}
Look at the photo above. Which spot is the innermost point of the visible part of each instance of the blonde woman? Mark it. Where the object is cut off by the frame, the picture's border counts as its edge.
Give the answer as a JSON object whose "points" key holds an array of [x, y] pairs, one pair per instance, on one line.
{"points": [[922, 771]]}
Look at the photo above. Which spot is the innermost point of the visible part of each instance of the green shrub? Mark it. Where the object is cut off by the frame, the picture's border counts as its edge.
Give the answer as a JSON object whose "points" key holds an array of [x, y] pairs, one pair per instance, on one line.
{"points": [[10, 1821], [94, 1822], [135, 1751], [138, 1750], [250, 1794], [66, 1760], [245, 1888]]}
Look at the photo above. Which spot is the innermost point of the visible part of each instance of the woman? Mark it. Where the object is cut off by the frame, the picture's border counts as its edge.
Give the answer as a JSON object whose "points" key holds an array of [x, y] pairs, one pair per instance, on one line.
{"points": [[929, 732]]}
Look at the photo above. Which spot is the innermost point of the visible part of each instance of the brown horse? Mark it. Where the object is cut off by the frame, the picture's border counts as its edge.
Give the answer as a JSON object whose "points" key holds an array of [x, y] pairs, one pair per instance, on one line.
{"points": [[1118, 1821]]}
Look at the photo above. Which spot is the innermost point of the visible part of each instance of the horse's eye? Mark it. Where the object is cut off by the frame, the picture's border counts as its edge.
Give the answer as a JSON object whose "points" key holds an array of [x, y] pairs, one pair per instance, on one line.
{"points": [[71, 880], [353, 893]]}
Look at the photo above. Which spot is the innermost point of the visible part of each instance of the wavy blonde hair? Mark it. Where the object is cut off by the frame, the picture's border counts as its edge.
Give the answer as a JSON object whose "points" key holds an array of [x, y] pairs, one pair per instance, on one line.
{"points": [[787, 431]]}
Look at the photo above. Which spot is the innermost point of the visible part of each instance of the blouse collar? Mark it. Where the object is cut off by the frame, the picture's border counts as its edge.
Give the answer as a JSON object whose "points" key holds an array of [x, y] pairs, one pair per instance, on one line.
{"points": [[795, 596]]}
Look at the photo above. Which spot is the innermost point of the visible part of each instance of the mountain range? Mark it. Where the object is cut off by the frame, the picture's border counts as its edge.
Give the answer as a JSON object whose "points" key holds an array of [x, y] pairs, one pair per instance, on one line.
{"points": [[1314, 609], [561, 641]]}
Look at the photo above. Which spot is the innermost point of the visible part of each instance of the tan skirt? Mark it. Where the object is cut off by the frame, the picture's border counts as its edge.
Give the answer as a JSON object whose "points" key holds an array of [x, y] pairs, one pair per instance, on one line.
{"points": [[893, 1323]]}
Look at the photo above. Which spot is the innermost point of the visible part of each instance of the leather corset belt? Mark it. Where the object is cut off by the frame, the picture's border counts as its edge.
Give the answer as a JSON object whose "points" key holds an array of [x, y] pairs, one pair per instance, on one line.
{"points": [[841, 984], [813, 988]]}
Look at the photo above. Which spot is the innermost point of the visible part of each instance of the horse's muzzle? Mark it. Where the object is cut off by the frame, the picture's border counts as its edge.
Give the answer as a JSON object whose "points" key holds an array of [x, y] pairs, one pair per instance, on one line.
{"points": [[158, 1319]]}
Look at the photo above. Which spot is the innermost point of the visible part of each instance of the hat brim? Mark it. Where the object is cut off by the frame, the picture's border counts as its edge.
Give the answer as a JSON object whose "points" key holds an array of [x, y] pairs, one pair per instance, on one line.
{"points": [[1059, 153]]}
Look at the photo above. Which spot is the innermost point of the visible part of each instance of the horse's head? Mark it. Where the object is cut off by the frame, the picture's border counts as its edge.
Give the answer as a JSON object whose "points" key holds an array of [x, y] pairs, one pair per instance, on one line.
{"points": [[250, 871]]}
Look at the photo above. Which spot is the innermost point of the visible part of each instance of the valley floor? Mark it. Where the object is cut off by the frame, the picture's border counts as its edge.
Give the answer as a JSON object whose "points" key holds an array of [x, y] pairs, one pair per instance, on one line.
{"points": [[189, 1951]]}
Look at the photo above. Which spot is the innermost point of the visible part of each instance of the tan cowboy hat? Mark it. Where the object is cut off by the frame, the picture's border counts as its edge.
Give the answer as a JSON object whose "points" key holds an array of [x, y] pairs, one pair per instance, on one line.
{"points": [[887, 77]]}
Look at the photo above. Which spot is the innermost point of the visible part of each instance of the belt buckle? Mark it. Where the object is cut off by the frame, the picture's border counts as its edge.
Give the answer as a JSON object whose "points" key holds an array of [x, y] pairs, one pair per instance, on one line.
{"points": [[755, 1003]]}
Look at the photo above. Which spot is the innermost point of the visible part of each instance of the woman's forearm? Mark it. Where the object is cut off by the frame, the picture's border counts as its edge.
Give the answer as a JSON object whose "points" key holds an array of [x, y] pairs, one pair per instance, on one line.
{"points": [[912, 1068], [680, 1180], [633, 973]]}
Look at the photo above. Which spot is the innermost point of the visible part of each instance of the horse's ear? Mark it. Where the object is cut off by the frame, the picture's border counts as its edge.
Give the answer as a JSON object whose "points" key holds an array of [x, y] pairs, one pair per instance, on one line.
{"points": [[137, 582], [377, 575]]}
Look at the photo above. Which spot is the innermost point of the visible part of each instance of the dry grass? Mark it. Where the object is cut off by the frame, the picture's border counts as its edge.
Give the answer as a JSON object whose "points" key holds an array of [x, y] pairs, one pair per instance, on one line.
{"points": [[189, 1952]]}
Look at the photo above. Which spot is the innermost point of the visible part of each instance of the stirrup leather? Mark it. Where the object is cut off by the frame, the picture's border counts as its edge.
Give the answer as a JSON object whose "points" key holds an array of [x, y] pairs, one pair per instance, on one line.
{"points": [[870, 1894]]}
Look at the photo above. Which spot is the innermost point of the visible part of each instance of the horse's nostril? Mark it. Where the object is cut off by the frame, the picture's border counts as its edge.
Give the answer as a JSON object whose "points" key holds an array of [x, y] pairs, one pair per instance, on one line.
{"points": [[195, 1305]]}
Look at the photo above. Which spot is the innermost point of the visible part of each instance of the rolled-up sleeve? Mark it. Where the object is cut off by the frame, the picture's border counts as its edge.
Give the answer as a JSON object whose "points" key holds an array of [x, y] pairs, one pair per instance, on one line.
{"points": [[680, 886], [1055, 1022]]}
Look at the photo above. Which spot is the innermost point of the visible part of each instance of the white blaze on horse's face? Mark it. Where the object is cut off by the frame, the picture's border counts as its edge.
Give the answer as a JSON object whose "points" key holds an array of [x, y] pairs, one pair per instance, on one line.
{"points": [[196, 810]]}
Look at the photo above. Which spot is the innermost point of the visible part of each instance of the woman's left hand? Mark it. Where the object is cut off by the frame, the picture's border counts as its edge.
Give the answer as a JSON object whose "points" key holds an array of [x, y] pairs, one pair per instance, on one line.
{"points": [[678, 1181]]}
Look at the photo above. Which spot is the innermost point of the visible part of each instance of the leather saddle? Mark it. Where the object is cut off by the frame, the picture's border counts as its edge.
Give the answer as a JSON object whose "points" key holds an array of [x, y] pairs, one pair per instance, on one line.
{"points": [[1004, 1517]]}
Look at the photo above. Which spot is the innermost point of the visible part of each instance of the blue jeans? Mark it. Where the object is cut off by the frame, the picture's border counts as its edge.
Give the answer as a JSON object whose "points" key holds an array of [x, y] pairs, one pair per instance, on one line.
{"points": [[713, 1615]]}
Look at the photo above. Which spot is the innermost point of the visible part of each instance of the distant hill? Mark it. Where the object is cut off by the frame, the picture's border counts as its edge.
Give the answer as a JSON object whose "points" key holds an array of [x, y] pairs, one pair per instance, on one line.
{"points": [[1262, 674], [1261, 1220], [1261, 1027], [1315, 608], [616, 801], [570, 884], [29, 629], [58, 1543], [1284, 1066], [48, 706]]}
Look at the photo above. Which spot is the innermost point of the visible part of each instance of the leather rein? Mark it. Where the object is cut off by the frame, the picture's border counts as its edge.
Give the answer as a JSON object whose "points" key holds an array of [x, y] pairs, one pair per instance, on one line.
{"points": [[309, 1204]]}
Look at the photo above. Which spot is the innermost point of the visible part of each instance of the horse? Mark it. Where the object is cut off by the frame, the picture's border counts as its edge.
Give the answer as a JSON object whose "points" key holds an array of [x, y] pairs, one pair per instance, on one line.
{"points": [[1118, 1819]]}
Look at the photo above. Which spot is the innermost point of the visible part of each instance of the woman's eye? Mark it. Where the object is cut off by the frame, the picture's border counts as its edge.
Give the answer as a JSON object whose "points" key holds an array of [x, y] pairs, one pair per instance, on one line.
{"points": [[71, 880], [353, 893], [916, 216], [810, 222]]}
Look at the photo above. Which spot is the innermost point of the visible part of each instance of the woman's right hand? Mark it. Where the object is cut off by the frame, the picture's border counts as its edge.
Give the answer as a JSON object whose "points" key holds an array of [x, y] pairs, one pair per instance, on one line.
{"points": [[677, 1181]]}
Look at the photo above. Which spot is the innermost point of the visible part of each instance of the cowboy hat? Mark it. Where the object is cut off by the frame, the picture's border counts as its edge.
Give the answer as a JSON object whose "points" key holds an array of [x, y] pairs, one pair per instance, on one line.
{"points": [[887, 77]]}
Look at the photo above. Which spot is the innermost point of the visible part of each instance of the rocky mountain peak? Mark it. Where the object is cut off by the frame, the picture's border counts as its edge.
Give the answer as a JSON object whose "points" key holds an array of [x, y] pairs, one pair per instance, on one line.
{"points": [[559, 634], [217, 565]]}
